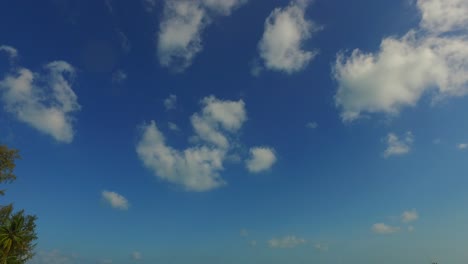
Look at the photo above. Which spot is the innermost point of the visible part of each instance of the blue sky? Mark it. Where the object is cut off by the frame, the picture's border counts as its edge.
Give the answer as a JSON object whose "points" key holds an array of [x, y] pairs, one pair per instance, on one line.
{"points": [[239, 131]]}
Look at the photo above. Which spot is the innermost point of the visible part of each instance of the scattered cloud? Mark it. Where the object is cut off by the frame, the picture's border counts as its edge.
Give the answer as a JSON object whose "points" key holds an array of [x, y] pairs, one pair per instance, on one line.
{"points": [[462, 146], [54, 257], [397, 146], [321, 247], [383, 229], [409, 216], [179, 36], [45, 101], [137, 255], [261, 159], [312, 125], [173, 126], [286, 31], [253, 243], [196, 168], [115, 200], [106, 261], [118, 77], [170, 102], [286, 242], [431, 58], [410, 229], [9, 50]]}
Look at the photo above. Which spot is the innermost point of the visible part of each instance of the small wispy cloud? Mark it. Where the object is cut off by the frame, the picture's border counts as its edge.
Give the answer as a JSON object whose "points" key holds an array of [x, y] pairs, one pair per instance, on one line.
{"points": [[398, 146], [462, 146], [170, 102], [409, 216], [115, 200], [286, 242], [384, 229]]}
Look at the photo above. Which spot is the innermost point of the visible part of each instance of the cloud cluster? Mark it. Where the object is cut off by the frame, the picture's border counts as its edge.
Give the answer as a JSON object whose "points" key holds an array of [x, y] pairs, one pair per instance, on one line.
{"points": [[179, 36], [432, 57], [406, 217], [115, 200], [286, 31], [196, 168], [286, 242], [45, 101], [397, 146]]}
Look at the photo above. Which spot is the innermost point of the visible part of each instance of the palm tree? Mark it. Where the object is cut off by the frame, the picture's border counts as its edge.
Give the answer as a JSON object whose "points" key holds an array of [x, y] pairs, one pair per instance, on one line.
{"points": [[16, 237]]}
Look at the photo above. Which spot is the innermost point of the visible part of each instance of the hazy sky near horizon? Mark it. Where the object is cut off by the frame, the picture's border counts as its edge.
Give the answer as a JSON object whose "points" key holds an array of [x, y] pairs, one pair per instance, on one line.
{"points": [[239, 131]]}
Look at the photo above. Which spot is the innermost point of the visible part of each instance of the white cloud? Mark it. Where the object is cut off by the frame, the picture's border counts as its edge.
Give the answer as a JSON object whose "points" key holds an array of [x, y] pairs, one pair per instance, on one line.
{"points": [[218, 117], [261, 159], [118, 77], [286, 242], [383, 229], [179, 36], [397, 146], [440, 16], [404, 69], [137, 256], [409, 216], [115, 200], [170, 102], [196, 169], [462, 146], [286, 31], [312, 125], [44, 101], [9, 50]]}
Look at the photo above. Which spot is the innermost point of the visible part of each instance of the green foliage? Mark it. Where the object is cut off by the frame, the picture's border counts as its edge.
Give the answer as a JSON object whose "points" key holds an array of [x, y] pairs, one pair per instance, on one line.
{"points": [[7, 165], [17, 230]]}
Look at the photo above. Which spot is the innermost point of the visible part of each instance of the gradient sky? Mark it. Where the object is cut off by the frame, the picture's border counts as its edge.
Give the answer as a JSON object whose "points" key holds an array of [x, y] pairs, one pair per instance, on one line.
{"points": [[239, 131]]}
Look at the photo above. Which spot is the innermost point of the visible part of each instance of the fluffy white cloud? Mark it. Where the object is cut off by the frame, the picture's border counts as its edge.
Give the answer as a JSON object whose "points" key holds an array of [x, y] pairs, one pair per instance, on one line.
{"points": [[397, 146], [406, 68], [218, 118], [170, 102], [462, 146], [115, 200], [196, 169], [44, 101], [286, 242], [179, 36], [137, 256], [409, 216], [261, 159], [286, 30], [9, 50], [383, 229], [440, 16]]}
